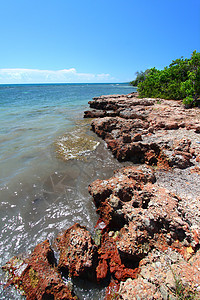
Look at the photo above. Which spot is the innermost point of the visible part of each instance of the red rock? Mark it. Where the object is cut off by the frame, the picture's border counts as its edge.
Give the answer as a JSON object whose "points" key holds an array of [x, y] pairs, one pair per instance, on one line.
{"points": [[109, 195], [198, 158], [37, 275], [110, 262], [77, 252], [146, 215], [112, 291]]}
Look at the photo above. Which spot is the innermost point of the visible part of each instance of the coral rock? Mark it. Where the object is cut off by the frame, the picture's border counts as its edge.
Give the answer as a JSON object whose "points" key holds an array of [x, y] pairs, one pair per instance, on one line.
{"points": [[77, 252], [37, 276]]}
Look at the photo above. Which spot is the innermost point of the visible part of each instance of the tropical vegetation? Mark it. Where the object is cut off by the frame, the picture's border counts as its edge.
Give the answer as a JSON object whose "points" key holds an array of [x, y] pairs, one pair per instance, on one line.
{"points": [[179, 80]]}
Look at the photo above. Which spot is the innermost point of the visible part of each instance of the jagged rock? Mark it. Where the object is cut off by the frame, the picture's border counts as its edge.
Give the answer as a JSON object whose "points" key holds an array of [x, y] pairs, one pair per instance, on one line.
{"points": [[112, 291], [77, 252], [134, 120], [110, 263], [94, 114], [110, 195], [139, 289], [169, 271], [37, 275], [164, 275], [145, 214]]}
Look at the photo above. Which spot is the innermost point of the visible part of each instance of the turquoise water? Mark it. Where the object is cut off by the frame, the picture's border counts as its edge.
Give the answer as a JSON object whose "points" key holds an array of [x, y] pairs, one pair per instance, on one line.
{"points": [[41, 194]]}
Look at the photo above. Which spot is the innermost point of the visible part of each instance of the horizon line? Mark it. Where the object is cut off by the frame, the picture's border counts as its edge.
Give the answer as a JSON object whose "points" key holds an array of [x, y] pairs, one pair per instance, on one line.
{"points": [[62, 83]]}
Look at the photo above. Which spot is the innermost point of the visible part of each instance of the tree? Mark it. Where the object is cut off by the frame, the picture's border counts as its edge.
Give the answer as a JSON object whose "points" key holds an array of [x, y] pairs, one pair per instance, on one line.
{"points": [[140, 77], [192, 84], [179, 80]]}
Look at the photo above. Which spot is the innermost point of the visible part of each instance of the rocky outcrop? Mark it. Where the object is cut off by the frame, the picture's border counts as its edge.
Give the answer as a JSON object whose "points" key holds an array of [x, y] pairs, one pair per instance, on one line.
{"points": [[164, 275], [77, 252], [110, 264], [36, 275], [141, 130], [142, 218]]}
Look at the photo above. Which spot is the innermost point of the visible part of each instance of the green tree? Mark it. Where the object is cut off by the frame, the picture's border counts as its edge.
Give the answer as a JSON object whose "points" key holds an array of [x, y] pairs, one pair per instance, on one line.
{"points": [[140, 76], [191, 85], [179, 80]]}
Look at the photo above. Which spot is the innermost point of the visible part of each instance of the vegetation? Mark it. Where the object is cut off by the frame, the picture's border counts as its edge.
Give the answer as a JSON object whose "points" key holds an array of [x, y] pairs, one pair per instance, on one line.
{"points": [[180, 80], [182, 292], [140, 77]]}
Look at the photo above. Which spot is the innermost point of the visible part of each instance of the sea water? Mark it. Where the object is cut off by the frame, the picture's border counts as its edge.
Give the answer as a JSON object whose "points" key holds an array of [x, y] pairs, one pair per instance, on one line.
{"points": [[48, 157]]}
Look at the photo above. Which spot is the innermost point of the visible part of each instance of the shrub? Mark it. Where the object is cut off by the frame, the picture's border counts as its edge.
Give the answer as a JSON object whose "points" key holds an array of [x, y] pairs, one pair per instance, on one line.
{"points": [[179, 80]]}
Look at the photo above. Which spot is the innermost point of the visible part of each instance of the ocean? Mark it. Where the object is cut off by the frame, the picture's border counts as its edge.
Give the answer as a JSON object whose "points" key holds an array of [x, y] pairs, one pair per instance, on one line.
{"points": [[48, 157]]}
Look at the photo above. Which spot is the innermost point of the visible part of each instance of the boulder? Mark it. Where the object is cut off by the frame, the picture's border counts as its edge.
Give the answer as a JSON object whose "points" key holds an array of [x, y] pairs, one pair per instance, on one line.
{"points": [[77, 252], [37, 276]]}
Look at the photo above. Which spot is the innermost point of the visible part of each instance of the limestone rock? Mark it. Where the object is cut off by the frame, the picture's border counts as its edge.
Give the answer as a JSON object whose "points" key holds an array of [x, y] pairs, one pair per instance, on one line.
{"points": [[37, 275], [77, 252]]}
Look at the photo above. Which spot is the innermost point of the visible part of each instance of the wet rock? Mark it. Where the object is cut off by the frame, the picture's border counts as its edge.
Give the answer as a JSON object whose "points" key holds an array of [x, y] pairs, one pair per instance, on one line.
{"points": [[77, 252], [37, 277]]}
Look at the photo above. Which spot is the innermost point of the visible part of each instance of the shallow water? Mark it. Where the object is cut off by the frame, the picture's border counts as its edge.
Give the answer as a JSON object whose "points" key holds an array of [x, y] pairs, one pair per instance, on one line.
{"points": [[42, 192]]}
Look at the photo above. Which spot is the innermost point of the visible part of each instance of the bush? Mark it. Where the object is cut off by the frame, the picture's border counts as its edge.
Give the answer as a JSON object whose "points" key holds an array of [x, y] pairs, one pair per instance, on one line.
{"points": [[180, 80], [141, 76]]}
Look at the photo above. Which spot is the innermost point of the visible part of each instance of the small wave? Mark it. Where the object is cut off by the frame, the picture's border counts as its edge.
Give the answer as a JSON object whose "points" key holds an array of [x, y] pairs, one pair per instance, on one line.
{"points": [[76, 144]]}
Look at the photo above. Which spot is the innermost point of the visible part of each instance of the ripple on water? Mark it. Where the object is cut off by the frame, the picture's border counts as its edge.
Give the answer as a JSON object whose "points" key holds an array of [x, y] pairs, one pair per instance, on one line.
{"points": [[76, 144]]}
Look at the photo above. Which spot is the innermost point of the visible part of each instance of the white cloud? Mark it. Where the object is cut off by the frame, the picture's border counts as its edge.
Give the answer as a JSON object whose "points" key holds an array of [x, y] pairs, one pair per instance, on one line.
{"points": [[49, 76]]}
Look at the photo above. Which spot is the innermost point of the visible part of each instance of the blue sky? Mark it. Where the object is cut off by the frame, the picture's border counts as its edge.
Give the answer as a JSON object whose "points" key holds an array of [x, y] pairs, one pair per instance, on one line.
{"points": [[93, 40]]}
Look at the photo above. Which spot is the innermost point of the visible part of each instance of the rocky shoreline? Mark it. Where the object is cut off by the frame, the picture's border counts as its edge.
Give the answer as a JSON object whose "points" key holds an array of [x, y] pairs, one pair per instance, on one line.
{"points": [[146, 243]]}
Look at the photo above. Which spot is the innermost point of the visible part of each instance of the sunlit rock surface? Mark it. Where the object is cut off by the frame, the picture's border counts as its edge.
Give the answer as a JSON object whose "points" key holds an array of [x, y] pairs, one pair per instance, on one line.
{"points": [[37, 276]]}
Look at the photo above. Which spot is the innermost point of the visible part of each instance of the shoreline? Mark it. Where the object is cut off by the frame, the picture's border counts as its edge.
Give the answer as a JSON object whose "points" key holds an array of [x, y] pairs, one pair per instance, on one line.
{"points": [[145, 233]]}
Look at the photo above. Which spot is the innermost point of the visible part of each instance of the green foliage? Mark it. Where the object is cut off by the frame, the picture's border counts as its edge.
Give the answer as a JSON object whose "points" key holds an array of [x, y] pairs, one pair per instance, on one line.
{"points": [[180, 80], [140, 77], [188, 102], [182, 292]]}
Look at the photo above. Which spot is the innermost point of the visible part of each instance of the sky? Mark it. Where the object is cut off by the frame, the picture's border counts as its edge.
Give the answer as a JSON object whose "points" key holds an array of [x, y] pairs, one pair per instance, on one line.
{"points": [[48, 41]]}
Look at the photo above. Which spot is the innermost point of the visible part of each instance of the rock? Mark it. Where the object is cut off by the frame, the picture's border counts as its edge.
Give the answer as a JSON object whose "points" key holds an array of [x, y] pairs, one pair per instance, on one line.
{"points": [[198, 158], [37, 275], [197, 129], [145, 214], [139, 288], [171, 273], [132, 114], [135, 120], [110, 195], [112, 291], [110, 263], [77, 252], [94, 114], [99, 113]]}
